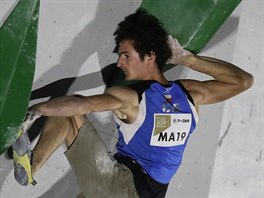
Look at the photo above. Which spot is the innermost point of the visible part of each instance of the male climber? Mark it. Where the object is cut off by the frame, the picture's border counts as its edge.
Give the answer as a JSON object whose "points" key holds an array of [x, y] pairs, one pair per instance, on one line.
{"points": [[154, 116]]}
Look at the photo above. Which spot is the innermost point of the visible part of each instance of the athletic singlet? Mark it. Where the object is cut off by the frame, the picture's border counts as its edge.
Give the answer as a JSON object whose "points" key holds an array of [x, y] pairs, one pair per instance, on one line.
{"points": [[157, 138]]}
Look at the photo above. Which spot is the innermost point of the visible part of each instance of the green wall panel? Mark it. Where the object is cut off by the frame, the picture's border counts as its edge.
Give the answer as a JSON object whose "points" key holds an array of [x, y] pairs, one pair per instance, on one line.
{"points": [[18, 42], [193, 22]]}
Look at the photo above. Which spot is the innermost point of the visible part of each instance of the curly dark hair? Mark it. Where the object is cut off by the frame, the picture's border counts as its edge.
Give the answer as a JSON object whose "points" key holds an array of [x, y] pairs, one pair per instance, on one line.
{"points": [[147, 34]]}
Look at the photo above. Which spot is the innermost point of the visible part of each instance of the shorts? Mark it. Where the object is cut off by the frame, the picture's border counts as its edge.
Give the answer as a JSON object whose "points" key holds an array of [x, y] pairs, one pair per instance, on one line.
{"points": [[99, 175], [145, 185]]}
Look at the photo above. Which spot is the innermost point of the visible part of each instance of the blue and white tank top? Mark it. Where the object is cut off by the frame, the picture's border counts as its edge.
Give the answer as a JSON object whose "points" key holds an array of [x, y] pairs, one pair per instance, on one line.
{"points": [[157, 138]]}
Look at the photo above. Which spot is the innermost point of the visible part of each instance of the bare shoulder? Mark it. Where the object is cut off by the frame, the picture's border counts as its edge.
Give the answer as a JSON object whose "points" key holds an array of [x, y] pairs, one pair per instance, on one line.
{"points": [[129, 99], [193, 87], [124, 94]]}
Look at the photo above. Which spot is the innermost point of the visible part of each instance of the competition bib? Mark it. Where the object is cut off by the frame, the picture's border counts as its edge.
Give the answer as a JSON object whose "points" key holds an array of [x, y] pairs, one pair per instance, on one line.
{"points": [[170, 129]]}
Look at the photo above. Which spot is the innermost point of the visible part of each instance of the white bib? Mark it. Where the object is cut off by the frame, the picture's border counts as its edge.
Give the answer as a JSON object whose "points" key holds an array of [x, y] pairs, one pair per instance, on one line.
{"points": [[170, 129]]}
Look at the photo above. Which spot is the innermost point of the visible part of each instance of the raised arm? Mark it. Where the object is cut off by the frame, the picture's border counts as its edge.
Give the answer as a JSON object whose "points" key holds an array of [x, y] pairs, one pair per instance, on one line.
{"points": [[228, 79]]}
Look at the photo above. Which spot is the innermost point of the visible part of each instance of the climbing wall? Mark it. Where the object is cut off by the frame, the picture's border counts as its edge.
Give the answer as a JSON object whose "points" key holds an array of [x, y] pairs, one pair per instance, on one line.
{"points": [[74, 41]]}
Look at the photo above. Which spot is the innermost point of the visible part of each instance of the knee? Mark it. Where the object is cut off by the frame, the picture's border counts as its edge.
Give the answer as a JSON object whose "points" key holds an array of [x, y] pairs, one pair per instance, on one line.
{"points": [[57, 124], [75, 124], [57, 120]]}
